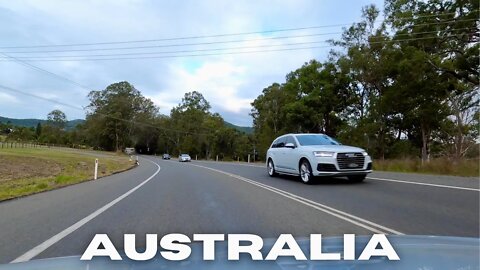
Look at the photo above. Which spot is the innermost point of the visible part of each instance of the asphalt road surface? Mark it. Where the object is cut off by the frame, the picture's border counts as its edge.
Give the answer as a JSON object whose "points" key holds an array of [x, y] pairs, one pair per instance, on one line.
{"points": [[164, 197]]}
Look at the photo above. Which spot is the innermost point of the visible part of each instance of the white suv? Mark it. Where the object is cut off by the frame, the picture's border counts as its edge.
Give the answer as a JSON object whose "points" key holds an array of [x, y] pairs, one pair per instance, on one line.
{"points": [[309, 155]]}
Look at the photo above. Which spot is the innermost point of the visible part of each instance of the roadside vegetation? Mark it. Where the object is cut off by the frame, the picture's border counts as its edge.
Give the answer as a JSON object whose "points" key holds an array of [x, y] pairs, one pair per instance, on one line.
{"points": [[441, 166], [25, 171], [404, 86]]}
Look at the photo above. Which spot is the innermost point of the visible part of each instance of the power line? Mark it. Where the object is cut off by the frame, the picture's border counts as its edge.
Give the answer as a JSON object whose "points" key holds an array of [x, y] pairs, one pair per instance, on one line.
{"points": [[25, 63], [219, 54], [64, 57], [175, 45], [198, 43], [174, 38], [207, 36], [39, 97], [167, 52]]}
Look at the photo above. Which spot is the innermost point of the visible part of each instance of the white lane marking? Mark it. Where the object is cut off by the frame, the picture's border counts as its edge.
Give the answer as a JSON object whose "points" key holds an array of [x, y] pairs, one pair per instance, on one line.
{"points": [[373, 178], [230, 163], [54, 239], [371, 226], [422, 184]]}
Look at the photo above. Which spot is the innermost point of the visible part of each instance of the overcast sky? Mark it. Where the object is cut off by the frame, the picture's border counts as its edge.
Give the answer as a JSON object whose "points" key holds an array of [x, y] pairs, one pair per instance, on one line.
{"points": [[230, 82]]}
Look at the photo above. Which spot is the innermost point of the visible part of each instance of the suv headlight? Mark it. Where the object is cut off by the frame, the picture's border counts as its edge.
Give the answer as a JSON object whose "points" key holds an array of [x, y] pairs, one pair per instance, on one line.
{"points": [[365, 153], [323, 154]]}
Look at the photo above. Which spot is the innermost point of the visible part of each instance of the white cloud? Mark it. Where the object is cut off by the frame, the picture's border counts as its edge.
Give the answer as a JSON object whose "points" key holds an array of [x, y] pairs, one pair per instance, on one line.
{"points": [[229, 82], [8, 99]]}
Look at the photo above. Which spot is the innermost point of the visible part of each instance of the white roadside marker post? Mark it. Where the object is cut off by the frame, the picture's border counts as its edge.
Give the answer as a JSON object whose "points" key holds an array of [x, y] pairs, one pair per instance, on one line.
{"points": [[95, 174], [248, 158], [217, 158], [137, 160]]}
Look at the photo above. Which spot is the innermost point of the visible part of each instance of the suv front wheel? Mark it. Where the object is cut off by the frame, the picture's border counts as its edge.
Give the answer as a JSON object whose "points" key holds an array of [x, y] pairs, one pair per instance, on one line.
{"points": [[271, 168], [306, 172]]}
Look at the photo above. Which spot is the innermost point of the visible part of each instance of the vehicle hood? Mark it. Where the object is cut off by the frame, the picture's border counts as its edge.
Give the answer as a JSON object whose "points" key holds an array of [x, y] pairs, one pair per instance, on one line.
{"points": [[332, 148], [415, 252]]}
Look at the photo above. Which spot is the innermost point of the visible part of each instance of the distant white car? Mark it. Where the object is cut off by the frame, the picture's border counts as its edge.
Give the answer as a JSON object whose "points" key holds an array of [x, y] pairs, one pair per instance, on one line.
{"points": [[184, 158], [309, 155], [129, 150]]}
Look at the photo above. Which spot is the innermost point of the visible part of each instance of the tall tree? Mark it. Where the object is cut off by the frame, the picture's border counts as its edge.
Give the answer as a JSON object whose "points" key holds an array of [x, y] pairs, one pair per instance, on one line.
{"points": [[38, 130], [115, 113], [57, 119]]}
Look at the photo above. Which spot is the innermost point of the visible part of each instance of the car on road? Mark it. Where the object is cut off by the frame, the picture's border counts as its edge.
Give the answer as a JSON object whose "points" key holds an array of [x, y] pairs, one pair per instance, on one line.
{"points": [[310, 155], [184, 158], [129, 150], [166, 156]]}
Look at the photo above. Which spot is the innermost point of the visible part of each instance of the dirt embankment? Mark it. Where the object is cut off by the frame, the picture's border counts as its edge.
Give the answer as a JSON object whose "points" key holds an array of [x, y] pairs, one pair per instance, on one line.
{"points": [[25, 167]]}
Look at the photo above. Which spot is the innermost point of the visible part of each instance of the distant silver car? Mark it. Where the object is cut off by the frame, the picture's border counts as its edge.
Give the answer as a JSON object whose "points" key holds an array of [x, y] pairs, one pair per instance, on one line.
{"points": [[184, 158], [309, 155]]}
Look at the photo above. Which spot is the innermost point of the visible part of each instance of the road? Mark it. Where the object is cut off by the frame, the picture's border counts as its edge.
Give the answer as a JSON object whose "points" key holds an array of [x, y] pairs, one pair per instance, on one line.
{"points": [[213, 197]]}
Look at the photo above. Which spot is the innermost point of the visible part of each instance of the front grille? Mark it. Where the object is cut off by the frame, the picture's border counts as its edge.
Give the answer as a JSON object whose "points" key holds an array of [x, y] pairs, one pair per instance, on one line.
{"points": [[324, 167], [350, 161]]}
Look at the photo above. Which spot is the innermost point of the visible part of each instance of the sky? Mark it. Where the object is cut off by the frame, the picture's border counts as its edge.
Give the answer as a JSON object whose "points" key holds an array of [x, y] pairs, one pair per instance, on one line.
{"points": [[230, 78]]}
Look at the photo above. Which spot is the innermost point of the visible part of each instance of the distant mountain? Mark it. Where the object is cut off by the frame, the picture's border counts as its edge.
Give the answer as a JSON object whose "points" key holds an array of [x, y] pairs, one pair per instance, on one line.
{"points": [[247, 130], [33, 122], [73, 123]]}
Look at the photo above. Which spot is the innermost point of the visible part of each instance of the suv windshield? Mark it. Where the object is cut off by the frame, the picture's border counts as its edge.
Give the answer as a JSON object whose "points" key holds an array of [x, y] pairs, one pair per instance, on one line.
{"points": [[316, 139]]}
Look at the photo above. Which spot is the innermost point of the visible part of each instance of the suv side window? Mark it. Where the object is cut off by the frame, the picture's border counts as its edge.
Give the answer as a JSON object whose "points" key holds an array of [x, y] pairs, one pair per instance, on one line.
{"points": [[279, 143], [290, 139], [274, 144]]}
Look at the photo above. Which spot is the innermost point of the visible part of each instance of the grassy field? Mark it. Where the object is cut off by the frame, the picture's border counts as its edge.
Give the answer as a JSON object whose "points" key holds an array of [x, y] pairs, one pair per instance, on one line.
{"points": [[465, 167], [25, 171]]}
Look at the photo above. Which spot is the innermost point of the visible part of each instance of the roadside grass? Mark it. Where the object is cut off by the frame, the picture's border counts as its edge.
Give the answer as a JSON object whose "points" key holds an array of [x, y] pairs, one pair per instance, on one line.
{"points": [[439, 166], [25, 171]]}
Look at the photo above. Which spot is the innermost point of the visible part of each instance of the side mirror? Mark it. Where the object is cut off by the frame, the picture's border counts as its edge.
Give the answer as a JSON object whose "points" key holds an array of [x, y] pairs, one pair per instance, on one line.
{"points": [[290, 145]]}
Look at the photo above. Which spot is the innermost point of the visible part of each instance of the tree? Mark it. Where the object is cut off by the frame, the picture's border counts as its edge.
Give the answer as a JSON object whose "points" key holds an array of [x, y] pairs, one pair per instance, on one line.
{"points": [[269, 115], [189, 119], [57, 119], [321, 95], [115, 113], [38, 130], [405, 86], [447, 53]]}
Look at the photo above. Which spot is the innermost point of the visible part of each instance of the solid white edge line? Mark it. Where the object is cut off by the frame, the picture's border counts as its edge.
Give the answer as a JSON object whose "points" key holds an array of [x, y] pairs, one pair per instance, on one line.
{"points": [[54, 239], [230, 163], [329, 210], [423, 184]]}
